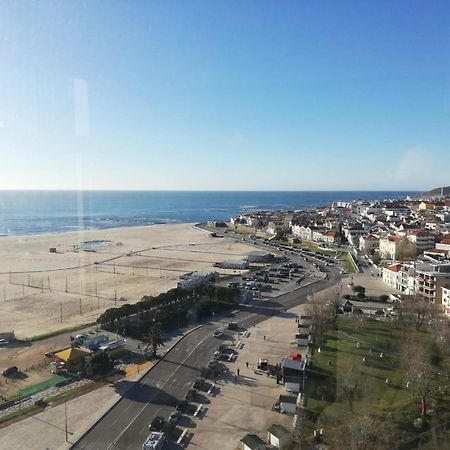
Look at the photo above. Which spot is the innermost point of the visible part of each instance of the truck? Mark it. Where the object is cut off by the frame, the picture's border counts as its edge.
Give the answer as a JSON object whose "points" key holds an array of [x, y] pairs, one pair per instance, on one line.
{"points": [[155, 441], [95, 342], [112, 345]]}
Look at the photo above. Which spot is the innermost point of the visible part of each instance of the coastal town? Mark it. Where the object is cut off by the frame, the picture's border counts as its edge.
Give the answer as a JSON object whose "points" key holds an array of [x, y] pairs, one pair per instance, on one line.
{"points": [[406, 242], [283, 329]]}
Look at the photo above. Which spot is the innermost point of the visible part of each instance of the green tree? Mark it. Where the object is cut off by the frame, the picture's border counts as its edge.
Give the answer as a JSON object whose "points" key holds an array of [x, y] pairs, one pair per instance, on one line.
{"points": [[406, 249], [98, 364], [154, 338]]}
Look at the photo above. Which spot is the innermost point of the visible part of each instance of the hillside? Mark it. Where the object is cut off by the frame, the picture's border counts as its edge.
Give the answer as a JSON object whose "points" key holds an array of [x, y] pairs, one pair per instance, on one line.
{"points": [[437, 191]]}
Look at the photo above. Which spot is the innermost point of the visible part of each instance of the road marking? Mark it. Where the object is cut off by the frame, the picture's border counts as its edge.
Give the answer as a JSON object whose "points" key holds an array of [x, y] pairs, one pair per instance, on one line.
{"points": [[145, 406]]}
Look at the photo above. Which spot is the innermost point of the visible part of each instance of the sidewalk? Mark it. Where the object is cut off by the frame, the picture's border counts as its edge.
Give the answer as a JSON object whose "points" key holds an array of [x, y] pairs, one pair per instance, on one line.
{"points": [[46, 430], [243, 404]]}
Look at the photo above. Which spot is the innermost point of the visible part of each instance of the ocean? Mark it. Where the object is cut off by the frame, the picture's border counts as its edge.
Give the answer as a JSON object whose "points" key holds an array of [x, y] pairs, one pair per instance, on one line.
{"points": [[37, 212]]}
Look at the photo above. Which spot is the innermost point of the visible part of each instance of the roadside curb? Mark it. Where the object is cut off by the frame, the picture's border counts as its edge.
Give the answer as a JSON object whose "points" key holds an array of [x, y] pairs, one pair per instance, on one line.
{"points": [[74, 445]]}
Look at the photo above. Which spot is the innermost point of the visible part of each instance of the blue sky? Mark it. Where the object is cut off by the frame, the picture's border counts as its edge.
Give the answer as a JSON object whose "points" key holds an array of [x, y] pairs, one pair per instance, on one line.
{"points": [[257, 95]]}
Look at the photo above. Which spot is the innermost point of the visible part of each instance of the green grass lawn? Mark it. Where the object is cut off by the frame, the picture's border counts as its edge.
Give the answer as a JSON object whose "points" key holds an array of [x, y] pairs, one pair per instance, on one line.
{"points": [[330, 372], [316, 249], [347, 265]]}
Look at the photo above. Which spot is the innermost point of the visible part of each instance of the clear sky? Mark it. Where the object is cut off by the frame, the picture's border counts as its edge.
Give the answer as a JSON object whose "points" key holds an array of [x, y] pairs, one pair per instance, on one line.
{"points": [[257, 95]]}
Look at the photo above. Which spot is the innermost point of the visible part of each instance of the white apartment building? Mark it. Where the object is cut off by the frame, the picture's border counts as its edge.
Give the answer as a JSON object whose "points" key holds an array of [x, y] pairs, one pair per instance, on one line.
{"points": [[422, 278], [423, 241], [302, 232], [429, 280], [368, 242], [444, 245], [390, 275], [446, 299], [389, 247]]}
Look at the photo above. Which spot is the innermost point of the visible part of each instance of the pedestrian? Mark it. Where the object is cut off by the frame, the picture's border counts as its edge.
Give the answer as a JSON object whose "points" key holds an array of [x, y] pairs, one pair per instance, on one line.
{"points": [[264, 337], [238, 372], [246, 364]]}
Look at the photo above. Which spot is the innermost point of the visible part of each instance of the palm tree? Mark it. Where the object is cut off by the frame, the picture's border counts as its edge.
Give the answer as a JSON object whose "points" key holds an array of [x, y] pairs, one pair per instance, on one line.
{"points": [[154, 338]]}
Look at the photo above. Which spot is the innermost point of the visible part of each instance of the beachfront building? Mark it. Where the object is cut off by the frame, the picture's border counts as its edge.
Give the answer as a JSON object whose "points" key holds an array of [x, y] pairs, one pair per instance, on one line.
{"points": [[260, 257], [196, 279], [233, 264], [305, 233]]}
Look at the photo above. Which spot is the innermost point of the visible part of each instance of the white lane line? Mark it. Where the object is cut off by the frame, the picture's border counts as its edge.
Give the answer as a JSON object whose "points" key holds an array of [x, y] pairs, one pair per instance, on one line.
{"points": [[145, 406]]}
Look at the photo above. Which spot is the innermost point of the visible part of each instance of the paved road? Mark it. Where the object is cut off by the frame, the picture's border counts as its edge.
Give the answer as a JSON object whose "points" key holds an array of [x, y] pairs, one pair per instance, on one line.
{"points": [[125, 426]]}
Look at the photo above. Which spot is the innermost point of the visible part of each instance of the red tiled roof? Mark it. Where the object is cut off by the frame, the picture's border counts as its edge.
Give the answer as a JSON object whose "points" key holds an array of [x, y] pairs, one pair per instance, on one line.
{"points": [[394, 238], [395, 267]]}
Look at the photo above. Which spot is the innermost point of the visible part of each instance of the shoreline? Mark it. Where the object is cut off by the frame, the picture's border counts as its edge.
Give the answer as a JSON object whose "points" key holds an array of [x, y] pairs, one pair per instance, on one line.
{"points": [[4, 237]]}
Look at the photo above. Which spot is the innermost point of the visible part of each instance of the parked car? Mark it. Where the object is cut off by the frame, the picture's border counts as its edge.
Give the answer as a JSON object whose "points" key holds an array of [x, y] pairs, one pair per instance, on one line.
{"points": [[4, 342], [190, 396], [217, 333], [174, 416], [157, 424], [199, 383], [182, 405]]}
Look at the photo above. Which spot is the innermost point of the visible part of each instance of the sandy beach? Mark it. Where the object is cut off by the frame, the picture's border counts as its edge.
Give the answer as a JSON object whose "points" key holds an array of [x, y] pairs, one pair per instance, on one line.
{"points": [[42, 291]]}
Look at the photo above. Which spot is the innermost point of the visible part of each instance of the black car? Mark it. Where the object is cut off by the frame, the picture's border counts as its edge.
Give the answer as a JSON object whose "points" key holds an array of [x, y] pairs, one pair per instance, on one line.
{"points": [[157, 423], [182, 405]]}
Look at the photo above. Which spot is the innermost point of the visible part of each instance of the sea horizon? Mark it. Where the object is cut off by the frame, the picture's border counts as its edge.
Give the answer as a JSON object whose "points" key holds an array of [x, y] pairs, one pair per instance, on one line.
{"points": [[34, 212]]}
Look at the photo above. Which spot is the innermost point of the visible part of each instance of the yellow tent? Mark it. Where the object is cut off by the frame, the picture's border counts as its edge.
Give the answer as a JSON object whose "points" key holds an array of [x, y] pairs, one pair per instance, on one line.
{"points": [[72, 355]]}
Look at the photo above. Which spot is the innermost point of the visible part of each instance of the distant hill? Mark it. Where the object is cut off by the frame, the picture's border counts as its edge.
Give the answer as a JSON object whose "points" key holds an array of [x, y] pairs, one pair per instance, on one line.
{"points": [[437, 191]]}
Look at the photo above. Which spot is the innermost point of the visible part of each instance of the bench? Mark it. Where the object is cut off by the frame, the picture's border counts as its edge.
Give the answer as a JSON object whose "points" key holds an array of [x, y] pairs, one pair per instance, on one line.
{"points": [[183, 434]]}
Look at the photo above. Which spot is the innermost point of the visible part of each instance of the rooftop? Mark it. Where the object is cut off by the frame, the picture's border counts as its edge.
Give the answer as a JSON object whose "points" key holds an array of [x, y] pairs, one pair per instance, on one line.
{"points": [[252, 440], [278, 431]]}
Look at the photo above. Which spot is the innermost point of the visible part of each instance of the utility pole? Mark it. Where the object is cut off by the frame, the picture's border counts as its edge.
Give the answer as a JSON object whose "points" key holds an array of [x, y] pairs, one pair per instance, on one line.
{"points": [[28, 280], [61, 317], [147, 269], [65, 420], [67, 287], [80, 307]]}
